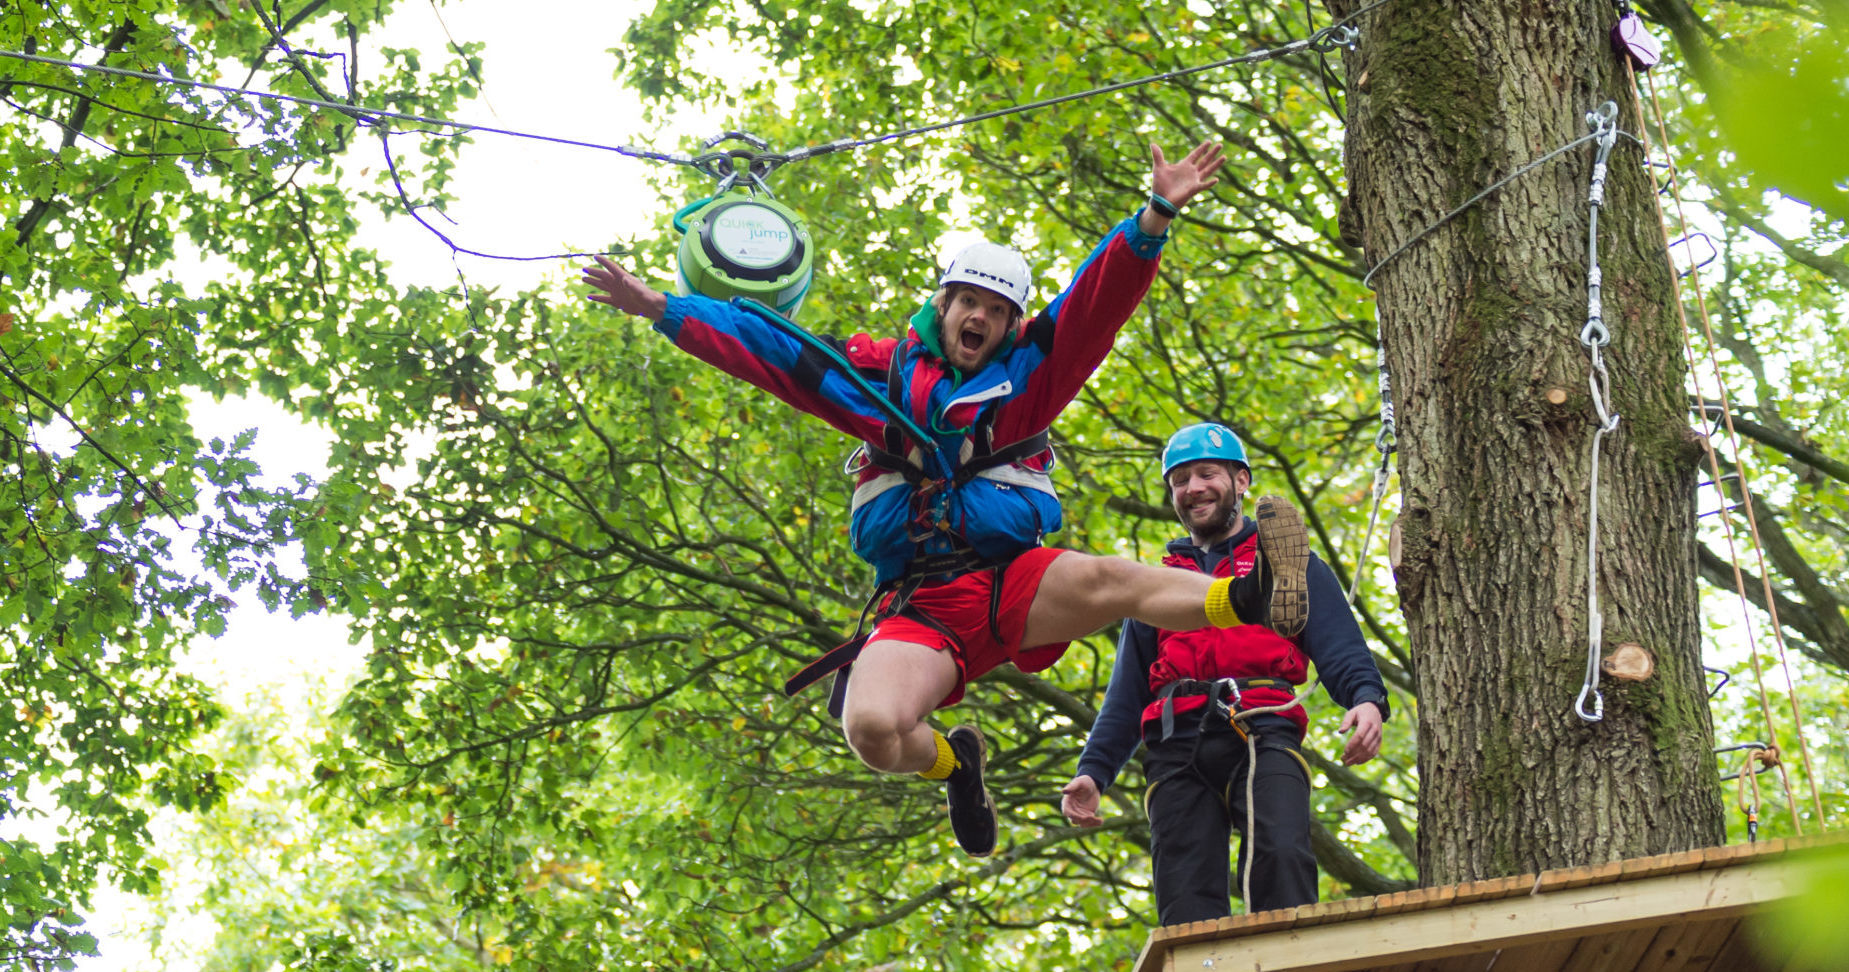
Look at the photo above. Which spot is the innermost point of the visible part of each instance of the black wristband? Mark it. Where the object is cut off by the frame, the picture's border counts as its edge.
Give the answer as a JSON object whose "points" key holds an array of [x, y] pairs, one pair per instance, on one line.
{"points": [[1163, 207]]}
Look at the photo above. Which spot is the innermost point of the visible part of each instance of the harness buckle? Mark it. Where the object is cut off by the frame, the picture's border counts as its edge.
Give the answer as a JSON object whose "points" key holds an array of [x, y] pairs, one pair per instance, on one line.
{"points": [[1219, 705]]}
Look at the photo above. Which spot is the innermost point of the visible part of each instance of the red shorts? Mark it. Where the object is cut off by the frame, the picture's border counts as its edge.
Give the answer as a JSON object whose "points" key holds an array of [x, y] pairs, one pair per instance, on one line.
{"points": [[962, 607]]}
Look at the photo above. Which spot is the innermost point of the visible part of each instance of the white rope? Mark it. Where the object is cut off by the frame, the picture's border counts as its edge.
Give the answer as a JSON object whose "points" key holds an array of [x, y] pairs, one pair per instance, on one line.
{"points": [[1248, 842]]}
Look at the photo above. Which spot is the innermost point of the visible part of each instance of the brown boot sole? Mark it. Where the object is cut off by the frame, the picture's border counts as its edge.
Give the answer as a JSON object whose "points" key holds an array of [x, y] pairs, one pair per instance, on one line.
{"points": [[1286, 548]]}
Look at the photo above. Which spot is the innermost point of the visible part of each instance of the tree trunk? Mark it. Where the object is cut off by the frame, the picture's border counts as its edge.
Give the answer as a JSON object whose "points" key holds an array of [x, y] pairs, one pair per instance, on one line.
{"points": [[1481, 323]]}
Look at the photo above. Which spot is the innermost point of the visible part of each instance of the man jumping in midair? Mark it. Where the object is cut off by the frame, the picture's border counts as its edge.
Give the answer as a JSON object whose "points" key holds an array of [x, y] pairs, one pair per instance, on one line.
{"points": [[953, 526]]}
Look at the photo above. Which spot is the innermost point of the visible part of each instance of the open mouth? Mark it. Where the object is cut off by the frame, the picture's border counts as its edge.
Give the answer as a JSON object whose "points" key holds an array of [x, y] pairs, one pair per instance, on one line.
{"points": [[970, 340]]}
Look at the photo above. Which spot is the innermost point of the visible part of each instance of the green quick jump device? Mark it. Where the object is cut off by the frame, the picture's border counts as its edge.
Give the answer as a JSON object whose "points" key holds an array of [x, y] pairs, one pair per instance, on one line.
{"points": [[745, 244]]}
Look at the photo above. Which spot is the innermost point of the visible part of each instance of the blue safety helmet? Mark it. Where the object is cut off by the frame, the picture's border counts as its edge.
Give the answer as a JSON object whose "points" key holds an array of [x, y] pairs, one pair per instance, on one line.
{"points": [[1206, 440]]}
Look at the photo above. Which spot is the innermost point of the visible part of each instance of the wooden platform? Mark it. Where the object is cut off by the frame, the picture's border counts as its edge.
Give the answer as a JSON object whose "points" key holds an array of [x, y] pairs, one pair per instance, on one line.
{"points": [[1677, 911]]}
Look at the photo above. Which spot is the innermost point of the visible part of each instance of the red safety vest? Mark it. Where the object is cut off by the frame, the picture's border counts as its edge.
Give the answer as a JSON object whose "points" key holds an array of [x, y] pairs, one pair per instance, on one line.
{"points": [[1244, 651]]}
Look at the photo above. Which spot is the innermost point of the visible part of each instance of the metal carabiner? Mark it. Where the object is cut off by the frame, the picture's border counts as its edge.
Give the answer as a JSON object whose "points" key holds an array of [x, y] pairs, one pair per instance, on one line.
{"points": [[1330, 39], [1604, 122]]}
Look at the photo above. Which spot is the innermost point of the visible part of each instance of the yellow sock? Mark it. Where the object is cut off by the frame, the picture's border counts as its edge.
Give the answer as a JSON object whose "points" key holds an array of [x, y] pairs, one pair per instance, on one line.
{"points": [[1220, 611], [946, 758]]}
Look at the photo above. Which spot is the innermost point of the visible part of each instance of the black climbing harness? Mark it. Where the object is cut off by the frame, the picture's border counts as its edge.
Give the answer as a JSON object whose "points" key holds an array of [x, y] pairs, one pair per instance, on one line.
{"points": [[893, 599]]}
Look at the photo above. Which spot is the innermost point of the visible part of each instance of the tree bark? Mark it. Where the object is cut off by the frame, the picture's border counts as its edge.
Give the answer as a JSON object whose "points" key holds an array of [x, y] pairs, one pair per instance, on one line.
{"points": [[1481, 323]]}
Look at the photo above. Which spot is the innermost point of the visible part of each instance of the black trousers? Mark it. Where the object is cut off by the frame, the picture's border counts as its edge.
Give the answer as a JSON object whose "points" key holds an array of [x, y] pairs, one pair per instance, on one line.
{"points": [[1199, 799]]}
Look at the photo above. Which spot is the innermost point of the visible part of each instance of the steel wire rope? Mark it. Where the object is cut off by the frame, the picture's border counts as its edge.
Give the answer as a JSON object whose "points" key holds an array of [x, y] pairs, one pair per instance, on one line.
{"points": [[360, 113], [1524, 169], [1386, 443], [1329, 38], [1594, 337], [1338, 34], [759, 164], [1745, 493]]}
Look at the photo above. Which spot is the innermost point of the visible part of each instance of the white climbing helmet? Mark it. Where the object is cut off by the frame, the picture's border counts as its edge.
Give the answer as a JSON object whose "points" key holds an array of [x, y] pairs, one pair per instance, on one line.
{"points": [[991, 266]]}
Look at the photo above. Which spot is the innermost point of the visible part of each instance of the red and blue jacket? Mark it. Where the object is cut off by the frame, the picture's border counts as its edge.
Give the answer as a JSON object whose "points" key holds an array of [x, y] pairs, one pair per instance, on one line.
{"points": [[1148, 659], [998, 512]]}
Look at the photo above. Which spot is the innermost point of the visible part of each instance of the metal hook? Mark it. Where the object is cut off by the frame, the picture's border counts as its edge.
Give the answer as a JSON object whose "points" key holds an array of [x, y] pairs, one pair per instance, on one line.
{"points": [[1595, 334], [1331, 38], [1714, 415], [1598, 704]]}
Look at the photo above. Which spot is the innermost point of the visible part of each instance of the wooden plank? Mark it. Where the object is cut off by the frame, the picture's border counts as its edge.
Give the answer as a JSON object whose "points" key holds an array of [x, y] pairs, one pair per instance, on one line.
{"points": [[1493, 888], [1741, 953], [1702, 950], [1664, 947], [1393, 903], [1537, 957], [1166, 937], [1216, 928], [1456, 963], [1155, 956], [1608, 952], [1485, 925], [1563, 878], [1323, 912], [1683, 946], [1734, 853], [1663, 864], [1443, 897]]}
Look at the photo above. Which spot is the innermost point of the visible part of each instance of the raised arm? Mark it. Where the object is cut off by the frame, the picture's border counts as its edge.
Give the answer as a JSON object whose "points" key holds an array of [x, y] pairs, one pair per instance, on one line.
{"points": [[1173, 185], [1067, 340]]}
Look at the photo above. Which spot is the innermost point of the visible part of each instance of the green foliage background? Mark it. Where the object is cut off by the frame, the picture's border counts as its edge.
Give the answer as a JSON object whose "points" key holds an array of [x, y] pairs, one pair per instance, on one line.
{"points": [[567, 748]]}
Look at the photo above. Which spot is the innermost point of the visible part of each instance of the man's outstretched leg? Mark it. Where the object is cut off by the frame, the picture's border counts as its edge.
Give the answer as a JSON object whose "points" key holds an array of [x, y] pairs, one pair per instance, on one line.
{"points": [[1081, 593], [893, 687]]}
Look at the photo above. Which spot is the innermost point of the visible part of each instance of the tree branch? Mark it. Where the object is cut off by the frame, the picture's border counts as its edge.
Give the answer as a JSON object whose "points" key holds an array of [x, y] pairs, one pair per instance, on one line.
{"points": [[24, 226], [1796, 448], [1821, 640]]}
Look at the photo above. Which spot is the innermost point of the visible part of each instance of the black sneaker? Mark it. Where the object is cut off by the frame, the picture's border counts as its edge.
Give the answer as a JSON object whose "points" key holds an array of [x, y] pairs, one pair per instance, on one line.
{"points": [[1284, 552], [972, 814]]}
